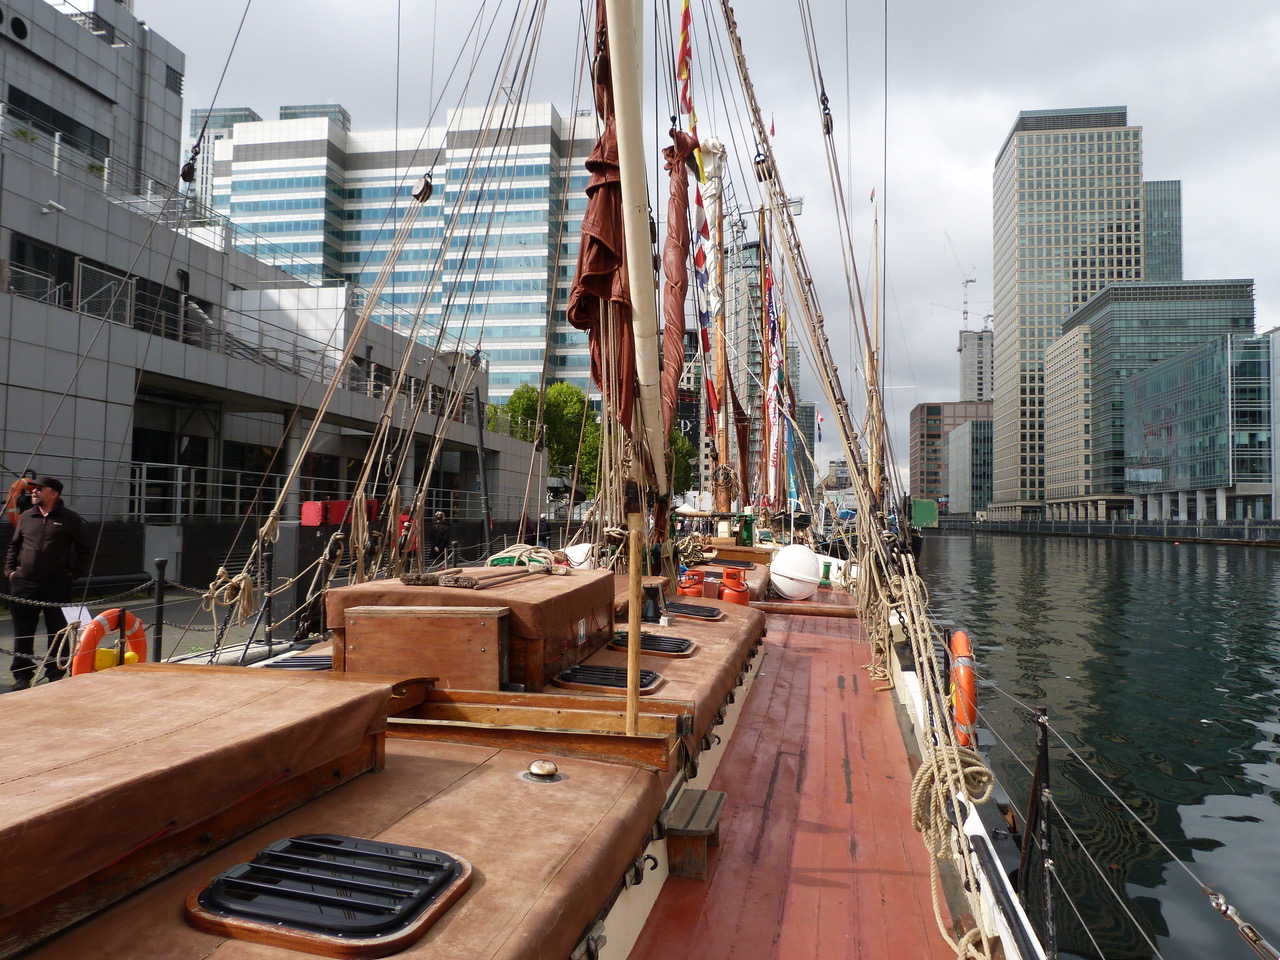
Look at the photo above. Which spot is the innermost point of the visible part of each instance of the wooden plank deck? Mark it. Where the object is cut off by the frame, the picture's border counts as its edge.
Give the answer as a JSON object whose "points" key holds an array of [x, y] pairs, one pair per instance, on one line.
{"points": [[817, 855]]}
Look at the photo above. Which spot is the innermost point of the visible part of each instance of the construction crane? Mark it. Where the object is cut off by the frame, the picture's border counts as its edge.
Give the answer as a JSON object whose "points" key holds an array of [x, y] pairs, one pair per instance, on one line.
{"points": [[967, 278]]}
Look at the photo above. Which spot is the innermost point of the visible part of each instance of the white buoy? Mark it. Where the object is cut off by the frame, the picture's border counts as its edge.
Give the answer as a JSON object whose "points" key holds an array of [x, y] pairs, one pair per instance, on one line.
{"points": [[795, 572], [580, 556]]}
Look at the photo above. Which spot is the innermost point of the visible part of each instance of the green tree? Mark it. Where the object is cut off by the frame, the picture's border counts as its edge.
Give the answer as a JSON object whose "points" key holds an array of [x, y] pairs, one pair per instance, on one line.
{"points": [[684, 463], [567, 437]]}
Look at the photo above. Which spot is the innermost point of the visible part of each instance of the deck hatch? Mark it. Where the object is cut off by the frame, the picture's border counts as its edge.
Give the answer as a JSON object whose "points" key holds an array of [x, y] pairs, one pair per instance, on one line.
{"points": [[655, 643], [698, 610], [311, 661], [599, 676], [332, 885]]}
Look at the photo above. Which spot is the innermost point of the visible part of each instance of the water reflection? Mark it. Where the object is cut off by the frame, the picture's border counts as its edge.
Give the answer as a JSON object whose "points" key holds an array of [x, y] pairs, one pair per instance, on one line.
{"points": [[1159, 663]]}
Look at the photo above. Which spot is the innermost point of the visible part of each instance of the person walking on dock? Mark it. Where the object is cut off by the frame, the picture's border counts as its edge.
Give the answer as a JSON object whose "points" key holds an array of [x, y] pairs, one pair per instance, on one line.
{"points": [[49, 550]]}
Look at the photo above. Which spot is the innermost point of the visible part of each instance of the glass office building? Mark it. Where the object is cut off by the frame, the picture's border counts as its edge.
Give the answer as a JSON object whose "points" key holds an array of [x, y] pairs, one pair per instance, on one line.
{"points": [[1200, 424], [1067, 218], [929, 426], [1162, 229], [1132, 326], [488, 258]]}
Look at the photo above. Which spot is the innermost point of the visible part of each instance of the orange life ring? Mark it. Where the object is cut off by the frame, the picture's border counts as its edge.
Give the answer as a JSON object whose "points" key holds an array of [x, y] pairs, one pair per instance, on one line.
{"points": [[964, 689], [100, 627], [16, 490]]}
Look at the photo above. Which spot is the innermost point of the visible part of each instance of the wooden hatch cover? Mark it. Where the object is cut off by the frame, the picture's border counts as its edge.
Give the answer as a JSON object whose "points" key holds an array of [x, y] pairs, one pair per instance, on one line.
{"points": [[331, 895]]}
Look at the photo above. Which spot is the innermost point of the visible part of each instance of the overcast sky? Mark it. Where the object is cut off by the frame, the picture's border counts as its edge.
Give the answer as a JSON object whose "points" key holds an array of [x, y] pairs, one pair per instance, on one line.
{"points": [[1202, 81]]}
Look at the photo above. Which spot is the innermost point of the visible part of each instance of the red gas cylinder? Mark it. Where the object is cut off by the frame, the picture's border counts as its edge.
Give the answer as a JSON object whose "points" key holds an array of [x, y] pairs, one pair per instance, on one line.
{"points": [[691, 583], [735, 587]]}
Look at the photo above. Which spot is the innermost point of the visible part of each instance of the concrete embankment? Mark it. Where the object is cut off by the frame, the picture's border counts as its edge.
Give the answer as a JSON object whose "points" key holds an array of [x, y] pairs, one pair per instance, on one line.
{"points": [[1250, 533]]}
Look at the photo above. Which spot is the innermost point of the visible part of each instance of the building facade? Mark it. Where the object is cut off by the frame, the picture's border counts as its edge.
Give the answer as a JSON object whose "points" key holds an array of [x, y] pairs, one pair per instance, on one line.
{"points": [[206, 128], [1162, 230], [1067, 216], [488, 258], [806, 445], [1133, 326], [969, 468], [1068, 427], [930, 423], [165, 374], [977, 353], [1199, 429]]}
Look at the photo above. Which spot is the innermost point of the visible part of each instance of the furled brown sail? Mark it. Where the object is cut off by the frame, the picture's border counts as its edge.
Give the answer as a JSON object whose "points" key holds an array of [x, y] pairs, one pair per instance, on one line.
{"points": [[602, 267], [675, 268]]}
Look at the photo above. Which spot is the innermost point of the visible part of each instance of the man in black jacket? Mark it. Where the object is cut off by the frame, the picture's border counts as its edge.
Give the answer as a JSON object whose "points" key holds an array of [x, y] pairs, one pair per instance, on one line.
{"points": [[49, 549]]}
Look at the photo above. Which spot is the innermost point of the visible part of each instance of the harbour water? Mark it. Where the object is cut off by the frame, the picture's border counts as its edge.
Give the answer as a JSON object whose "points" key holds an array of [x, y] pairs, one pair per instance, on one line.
{"points": [[1159, 664]]}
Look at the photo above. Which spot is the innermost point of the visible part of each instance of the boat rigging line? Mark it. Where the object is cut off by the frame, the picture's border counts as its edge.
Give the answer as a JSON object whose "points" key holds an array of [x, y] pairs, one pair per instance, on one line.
{"points": [[1217, 901]]}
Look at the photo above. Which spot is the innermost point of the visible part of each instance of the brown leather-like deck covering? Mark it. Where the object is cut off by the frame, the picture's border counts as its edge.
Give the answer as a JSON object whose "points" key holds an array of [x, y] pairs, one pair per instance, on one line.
{"points": [[706, 678], [546, 856], [544, 619], [95, 765]]}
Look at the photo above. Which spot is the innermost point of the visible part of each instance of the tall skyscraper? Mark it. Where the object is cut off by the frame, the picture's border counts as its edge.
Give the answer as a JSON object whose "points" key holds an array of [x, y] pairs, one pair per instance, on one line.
{"points": [[1162, 230], [976, 354], [491, 254], [1068, 220]]}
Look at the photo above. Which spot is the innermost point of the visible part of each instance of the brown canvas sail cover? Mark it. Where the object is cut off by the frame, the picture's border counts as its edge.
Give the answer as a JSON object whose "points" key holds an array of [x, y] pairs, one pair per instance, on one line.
{"points": [[602, 264], [675, 267]]}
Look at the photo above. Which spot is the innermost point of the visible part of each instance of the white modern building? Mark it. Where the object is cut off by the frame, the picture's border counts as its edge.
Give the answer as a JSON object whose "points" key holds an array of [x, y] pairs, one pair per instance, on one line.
{"points": [[487, 259]]}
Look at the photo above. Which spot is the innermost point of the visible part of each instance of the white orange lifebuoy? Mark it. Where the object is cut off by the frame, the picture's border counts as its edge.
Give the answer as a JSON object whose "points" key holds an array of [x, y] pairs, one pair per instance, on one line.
{"points": [[964, 689], [89, 658], [11, 509]]}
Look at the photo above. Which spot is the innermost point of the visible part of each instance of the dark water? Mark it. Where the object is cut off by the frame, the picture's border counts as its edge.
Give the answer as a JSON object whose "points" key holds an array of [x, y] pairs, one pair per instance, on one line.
{"points": [[1160, 664]]}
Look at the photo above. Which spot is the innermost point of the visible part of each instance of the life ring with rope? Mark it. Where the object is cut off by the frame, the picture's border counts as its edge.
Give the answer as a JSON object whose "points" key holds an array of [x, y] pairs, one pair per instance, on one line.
{"points": [[89, 657], [964, 689], [16, 490]]}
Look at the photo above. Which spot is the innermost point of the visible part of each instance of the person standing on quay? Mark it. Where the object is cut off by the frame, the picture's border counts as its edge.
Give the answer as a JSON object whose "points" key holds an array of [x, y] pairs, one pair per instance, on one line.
{"points": [[438, 539], [49, 550]]}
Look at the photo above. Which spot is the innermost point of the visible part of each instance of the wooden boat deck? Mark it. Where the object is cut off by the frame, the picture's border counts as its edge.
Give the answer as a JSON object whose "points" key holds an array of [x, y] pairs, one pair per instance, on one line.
{"points": [[817, 855]]}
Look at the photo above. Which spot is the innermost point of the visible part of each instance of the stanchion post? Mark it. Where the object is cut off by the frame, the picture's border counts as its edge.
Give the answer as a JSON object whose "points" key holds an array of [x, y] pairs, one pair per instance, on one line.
{"points": [[157, 635], [269, 574]]}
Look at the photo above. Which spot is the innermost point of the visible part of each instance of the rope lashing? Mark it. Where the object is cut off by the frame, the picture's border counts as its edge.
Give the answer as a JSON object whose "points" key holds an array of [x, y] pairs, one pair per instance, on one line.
{"points": [[227, 590], [946, 771]]}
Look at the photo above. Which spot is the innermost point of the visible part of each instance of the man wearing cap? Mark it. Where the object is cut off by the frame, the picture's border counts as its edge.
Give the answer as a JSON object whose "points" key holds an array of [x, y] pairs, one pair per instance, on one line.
{"points": [[49, 550]]}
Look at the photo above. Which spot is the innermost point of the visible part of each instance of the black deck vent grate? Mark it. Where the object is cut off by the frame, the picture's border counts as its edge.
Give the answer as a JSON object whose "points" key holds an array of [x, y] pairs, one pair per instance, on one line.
{"points": [[310, 661], [338, 886], [598, 676], [655, 642], [693, 610]]}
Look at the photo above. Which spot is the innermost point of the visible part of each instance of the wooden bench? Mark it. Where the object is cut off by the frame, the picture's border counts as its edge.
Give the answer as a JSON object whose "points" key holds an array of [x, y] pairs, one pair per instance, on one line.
{"points": [[693, 825]]}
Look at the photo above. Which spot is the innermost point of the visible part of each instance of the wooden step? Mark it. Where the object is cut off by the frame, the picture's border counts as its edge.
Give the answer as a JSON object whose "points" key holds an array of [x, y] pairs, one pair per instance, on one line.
{"points": [[693, 825]]}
